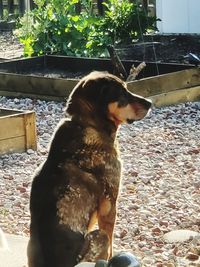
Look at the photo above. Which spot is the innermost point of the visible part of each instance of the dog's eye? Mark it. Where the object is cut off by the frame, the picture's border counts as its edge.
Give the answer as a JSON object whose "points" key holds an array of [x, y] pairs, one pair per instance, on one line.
{"points": [[129, 121], [123, 101]]}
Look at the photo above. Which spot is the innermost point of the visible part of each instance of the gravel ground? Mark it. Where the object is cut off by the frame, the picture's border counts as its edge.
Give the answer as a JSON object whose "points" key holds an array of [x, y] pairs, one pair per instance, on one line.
{"points": [[160, 191], [9, 46]]}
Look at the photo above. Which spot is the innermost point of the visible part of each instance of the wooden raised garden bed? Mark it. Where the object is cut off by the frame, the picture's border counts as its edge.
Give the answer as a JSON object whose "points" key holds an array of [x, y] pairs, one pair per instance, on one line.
{"points": [[17, 131], [53, 77], [170, 89]]}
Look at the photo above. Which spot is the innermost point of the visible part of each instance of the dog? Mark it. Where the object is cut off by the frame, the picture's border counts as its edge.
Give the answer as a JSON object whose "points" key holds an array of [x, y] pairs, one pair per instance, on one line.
{"points": [[74, 193]]}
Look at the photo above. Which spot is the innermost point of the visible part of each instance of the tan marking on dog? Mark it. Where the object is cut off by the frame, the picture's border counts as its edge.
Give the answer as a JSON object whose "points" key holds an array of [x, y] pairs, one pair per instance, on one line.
{"points": [[105, 207], [93, 221], [120, 115]]}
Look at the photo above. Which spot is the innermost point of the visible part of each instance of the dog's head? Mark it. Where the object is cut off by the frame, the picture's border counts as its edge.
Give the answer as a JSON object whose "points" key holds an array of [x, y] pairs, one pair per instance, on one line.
{"points": [[103, 96]]}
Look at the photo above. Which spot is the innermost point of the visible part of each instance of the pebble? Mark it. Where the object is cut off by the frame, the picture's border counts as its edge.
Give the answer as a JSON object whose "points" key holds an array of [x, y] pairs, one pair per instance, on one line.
{"points": [[8, 176], [180, 235], [192, 257], [30, 151], [160, 184]]}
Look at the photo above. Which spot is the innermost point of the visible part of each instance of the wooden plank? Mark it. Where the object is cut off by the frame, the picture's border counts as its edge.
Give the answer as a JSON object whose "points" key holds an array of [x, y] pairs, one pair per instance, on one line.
{"points": [[11, 145], [176, 97], [33, 96], [7, 112], [17, 131], [166, 82], [36, 85], [30, 131], [59, 88], [11, 126]]}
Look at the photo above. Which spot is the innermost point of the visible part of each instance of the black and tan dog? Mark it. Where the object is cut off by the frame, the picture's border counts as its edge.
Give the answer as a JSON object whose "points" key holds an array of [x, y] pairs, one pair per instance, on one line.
{"points": [[78, 184]]}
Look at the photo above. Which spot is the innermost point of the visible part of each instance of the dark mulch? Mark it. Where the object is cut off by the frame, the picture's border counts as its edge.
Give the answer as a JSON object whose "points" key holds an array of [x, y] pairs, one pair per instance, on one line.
{"points": [[160, 48]]}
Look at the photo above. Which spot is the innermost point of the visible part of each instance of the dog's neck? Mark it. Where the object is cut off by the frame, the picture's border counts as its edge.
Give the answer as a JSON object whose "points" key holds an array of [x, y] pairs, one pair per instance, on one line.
{"points": [[106, 127]]}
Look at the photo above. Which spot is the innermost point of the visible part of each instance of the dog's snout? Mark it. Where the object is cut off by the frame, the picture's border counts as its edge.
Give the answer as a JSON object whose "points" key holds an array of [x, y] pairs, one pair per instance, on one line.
{"points": [[144, 102]]}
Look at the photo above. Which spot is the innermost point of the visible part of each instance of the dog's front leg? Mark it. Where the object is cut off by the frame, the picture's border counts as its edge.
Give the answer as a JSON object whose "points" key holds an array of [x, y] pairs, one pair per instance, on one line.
{"points": [[106, 220], [95, 247]]}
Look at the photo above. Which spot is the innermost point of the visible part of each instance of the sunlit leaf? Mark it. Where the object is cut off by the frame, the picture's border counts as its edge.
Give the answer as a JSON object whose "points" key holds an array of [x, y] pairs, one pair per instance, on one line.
{"points": [[75, 18]]}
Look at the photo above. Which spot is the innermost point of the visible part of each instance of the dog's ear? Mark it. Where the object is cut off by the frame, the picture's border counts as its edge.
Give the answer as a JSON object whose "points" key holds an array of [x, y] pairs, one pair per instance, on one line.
{"points": [[78, 102], [86, 94]]}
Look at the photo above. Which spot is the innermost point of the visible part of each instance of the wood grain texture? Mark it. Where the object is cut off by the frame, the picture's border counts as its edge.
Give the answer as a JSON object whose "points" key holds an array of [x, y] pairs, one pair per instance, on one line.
{"points": [[17, 131]]}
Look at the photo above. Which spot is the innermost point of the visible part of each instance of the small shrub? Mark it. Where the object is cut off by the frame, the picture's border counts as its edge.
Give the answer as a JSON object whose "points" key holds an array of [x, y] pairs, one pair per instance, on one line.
{"points": [[124, 21]]}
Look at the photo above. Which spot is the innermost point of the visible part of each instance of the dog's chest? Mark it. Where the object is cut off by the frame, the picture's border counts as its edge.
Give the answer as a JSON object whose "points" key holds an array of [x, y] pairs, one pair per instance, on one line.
{"points": [[99, 153], [104, 165], [94, 173]]}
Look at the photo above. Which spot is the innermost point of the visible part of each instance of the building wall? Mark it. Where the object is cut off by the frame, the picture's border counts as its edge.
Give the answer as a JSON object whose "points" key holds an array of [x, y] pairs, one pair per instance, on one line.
{"points": [[178, 16]]}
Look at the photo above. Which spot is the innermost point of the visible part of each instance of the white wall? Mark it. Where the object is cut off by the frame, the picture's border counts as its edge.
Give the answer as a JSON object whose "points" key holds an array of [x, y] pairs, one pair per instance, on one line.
{"points": [[178, 16]]}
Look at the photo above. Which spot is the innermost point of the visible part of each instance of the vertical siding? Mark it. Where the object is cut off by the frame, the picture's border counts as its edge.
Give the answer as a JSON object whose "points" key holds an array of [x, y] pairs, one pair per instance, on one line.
{"points": [[178, 16], [194, 16]]}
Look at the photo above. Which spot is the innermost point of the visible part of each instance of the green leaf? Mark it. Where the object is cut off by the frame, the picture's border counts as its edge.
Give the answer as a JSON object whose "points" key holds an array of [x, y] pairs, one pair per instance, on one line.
{"points": [[75, 18]]}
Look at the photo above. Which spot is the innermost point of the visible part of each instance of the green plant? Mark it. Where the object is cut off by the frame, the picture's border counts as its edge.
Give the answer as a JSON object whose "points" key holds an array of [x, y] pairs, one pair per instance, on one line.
{"points": [[55, 27], [6, 16], [124, 21]]}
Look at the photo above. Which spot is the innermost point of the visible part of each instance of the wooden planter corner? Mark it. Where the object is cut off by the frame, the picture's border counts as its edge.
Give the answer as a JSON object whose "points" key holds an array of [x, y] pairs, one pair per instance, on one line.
{"points": [[169, 89], [17, 131]]}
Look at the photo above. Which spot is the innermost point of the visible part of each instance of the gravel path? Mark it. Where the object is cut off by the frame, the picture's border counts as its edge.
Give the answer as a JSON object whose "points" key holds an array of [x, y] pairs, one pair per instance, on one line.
{"points": [[9, 46], [160, 191]]}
